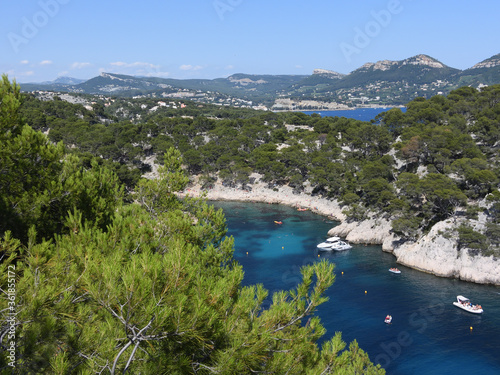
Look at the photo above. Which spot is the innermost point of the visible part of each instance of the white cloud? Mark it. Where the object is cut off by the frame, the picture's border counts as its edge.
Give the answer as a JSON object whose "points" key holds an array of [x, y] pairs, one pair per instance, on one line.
{"points": [[80, 65], [136, 64], [190, 67], [24, 62], [229, 67], [45, 62]]}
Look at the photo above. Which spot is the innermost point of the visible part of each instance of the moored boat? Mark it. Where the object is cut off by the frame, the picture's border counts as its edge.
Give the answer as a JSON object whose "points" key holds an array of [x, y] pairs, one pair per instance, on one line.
{"points": [[334, 243], [465, 304], [394, 270]]}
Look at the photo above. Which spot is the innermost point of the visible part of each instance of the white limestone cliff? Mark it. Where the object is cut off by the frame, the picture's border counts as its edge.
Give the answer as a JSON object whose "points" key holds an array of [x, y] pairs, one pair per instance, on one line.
{"points": [[434, 253]]}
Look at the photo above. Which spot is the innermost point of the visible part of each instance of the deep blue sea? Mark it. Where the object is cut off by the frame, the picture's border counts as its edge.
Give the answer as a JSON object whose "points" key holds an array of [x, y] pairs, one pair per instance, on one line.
{"points": [[428, 334], [363, 114]]}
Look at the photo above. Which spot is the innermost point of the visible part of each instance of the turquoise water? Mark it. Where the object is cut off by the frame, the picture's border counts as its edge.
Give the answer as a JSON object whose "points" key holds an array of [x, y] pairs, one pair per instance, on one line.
{"points": [[363, 114], [428, 334]]}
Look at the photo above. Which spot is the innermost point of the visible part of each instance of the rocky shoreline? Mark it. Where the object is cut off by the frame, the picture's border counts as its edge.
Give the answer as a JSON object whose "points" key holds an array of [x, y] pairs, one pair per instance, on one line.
{"points": [[434, 253]]}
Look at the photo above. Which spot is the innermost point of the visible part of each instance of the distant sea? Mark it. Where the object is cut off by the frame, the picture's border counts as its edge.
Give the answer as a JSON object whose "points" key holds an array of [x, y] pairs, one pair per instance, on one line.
{"points": [[363, 114], [428, 335]]}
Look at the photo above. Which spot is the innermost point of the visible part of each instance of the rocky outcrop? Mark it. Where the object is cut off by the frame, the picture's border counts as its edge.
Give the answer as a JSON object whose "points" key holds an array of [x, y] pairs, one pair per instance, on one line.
{"points": [[328, 74], [371, 231], [434, 253], [488, 63]]}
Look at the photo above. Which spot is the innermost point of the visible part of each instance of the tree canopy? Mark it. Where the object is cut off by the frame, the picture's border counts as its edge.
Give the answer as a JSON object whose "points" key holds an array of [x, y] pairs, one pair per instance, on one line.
{"points": [[108, 285]]}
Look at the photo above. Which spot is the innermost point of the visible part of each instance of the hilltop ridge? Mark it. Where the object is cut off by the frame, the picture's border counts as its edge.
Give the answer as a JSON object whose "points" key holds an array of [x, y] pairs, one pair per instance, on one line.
{"points": [[382, 83]]}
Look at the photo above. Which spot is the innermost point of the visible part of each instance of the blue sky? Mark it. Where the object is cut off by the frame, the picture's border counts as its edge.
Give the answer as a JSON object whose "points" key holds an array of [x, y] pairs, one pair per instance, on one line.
{"points": [[43, 39]]}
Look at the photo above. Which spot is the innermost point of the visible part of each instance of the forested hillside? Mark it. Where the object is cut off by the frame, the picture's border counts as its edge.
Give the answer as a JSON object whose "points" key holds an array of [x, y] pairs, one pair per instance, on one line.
{"points": [[439, 159], [94, 284], [113, 272]]}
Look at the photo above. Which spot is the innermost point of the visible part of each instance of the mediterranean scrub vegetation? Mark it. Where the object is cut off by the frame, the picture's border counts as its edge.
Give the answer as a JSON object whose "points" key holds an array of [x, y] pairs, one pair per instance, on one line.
{"points": [[113, 273], [436, 161]]}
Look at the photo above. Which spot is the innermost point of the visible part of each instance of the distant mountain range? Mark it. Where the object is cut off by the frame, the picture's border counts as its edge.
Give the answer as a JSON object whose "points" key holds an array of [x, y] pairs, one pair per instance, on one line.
{"points": [[381, 83]]}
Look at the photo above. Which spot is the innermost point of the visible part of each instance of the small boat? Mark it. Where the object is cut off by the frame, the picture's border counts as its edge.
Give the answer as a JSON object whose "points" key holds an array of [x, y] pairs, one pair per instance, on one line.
{"points": [[334, 243], [465, 304], [388, 319], [302, 209], [394, 270], [278, 222]]}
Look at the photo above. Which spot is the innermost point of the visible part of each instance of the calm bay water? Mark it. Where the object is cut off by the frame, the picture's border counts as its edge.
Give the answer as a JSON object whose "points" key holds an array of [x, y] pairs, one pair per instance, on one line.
{"points": [[363, 114], [428, 334]]}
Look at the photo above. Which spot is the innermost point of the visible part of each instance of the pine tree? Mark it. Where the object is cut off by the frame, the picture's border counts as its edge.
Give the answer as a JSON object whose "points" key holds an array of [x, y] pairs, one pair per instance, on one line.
{"points": [[149, 287]]}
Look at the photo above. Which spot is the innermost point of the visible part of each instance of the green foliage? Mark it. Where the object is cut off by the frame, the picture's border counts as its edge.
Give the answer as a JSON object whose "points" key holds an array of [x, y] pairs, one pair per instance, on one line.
{"points": [[10, 101], [148, 287], [39, 184], [470, 239], [436, 160], [355, 212], [158, 195], [406, 227]]}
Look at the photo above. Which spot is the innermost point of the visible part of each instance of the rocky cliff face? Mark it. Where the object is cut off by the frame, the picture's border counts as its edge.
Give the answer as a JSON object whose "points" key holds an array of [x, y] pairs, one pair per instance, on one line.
{"points": [[434, 253], [488, 63], [438, 255], [372, 231]]}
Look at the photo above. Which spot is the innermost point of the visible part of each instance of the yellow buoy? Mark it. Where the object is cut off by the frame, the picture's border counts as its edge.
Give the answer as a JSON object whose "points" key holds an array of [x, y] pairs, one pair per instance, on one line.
{"points": [[342, 272], [366, 292], [471, 328], [247, 252], [318, 255], [282, 247]]}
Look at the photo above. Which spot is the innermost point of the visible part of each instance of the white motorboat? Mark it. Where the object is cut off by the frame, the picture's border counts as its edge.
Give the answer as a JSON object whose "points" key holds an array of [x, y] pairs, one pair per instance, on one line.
{"points": [[340, 246], [327, 245], [465, 304], [334, 243], [388, 319], [394, 270]]}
